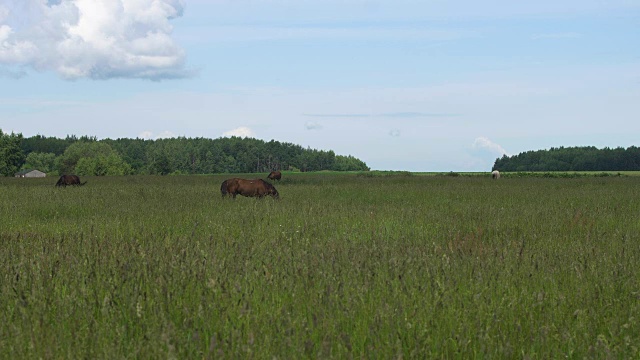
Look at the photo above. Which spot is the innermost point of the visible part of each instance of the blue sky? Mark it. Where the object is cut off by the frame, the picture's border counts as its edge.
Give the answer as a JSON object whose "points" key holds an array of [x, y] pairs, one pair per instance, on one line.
{"points": [[403, 84]]}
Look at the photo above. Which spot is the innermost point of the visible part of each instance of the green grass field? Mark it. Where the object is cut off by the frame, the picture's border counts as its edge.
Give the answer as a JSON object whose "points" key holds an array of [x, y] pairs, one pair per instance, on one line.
{"points": [[342, 266]]}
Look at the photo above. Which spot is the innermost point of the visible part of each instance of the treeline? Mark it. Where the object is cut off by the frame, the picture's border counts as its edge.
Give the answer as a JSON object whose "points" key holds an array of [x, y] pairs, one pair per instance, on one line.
{"points": [[90, 156], [588, 158]]}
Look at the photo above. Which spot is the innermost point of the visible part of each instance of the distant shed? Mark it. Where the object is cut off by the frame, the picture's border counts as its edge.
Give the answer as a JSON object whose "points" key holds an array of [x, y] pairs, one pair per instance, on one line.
{"points": [[30, 174]]}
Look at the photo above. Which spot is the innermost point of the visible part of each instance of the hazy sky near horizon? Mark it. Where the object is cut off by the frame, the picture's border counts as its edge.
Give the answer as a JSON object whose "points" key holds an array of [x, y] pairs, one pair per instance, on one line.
{"points": [[418, 85]]}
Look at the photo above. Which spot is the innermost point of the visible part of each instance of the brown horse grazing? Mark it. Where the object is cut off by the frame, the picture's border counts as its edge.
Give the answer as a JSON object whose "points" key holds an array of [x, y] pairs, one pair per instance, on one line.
{"points": [[275, 175], [69, 180], [251, 188]]}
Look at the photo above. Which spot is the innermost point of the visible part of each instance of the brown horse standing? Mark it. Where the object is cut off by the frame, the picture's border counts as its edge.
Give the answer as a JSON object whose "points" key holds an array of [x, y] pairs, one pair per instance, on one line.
{"points": [[251, 188], [69, 180], [275, 175]]}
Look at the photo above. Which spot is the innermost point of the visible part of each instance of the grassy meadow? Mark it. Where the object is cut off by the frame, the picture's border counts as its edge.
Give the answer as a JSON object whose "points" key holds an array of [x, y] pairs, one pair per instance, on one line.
{"points": [[342, 266]]}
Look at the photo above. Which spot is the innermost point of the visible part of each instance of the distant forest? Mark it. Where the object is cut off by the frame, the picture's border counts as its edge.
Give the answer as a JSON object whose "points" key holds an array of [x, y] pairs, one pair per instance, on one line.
{"points": [[90, 156], [586, 158]]}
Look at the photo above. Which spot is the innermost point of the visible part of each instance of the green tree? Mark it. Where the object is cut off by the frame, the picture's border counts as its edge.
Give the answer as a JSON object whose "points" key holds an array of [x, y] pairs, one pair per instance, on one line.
{"points": [[11, 154], [132, 151], [45, 162], [102, 165], [158, 160], [349, 163], [43, 144], [185, 155], [94, 158], [585, 158]]}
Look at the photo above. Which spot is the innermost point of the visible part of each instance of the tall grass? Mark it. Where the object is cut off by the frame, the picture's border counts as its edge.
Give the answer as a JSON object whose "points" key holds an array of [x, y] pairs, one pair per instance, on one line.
{"points": [[342, 266]]}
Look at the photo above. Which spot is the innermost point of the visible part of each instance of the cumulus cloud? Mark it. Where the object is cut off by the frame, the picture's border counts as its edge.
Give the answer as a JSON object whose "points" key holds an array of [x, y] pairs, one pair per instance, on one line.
{"points": [[96, 39], [482, 143], [312, 125], [242, 131], [148, 135]]}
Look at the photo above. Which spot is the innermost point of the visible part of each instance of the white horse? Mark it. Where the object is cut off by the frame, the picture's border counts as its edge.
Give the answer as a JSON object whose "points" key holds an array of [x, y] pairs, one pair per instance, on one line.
{"points": [[495, 174]]}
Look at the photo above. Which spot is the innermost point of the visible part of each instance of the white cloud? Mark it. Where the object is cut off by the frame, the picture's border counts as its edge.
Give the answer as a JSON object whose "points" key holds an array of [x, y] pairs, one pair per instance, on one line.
{"points": [[165, 135], [96, 39], [482, 143], [148, 135], [313, 125], [394, 132], [242, 131]]}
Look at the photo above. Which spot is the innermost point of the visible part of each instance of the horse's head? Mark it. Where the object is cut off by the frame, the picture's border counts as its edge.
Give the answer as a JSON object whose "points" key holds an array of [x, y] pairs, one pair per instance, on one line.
{"points": [[271, 190]]}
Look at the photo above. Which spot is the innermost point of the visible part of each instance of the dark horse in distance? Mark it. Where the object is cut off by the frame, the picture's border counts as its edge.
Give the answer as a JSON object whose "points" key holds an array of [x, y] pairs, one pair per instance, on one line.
{"points": [[251, 188], [69, 180], [275, 175]]}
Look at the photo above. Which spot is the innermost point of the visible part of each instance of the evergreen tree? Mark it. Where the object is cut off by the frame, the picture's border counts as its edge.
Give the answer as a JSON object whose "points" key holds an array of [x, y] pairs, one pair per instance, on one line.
{"points": [[587, 158]]}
